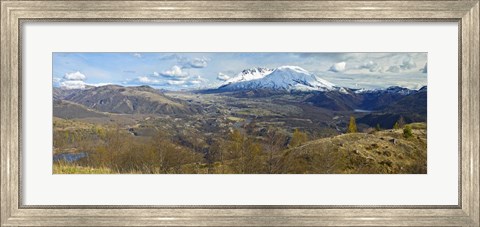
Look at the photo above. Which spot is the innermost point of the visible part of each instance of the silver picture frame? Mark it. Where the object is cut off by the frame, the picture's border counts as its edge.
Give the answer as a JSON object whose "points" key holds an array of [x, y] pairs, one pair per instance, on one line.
{"points": [[15, 13]]}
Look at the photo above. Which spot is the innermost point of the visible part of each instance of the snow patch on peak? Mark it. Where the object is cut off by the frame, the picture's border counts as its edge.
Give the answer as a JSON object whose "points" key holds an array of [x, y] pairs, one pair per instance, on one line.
{"points": [[249, 74], [292, 68]]}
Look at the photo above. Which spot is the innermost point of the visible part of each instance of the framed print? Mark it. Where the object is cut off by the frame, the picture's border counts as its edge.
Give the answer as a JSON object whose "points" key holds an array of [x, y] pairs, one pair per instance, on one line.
{"points": [[260, 121], [249, 113]]}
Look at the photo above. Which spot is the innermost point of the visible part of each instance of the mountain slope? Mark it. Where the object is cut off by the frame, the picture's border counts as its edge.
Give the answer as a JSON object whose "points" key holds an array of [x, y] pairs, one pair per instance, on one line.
{"points": [[392, 99], [380, 99], [69, 110], [334, 100], [411, 107], [415, 102], [385, 151], [129, 100]]}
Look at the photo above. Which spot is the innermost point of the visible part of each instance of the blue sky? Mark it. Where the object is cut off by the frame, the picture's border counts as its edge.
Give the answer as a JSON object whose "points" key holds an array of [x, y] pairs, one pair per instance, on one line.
{"points": [[178, 71]]}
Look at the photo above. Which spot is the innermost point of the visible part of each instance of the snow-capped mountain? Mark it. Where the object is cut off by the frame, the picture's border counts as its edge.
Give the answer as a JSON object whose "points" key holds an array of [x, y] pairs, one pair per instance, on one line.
{"points": [[249, 74], [283, 78]]}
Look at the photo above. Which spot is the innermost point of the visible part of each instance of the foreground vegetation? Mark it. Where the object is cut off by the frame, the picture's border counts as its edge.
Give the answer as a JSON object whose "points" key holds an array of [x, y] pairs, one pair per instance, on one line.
{"points": [[244, 150]]}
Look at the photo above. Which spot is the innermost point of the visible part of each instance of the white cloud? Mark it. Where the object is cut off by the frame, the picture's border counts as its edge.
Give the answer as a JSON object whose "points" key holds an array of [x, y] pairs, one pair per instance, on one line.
{"points": [[99, 84], [137, 55], [56, 81], [375, 63], [172, 81], [413, 80], [222, 76], [146, 80], [199, 63], [176, 71], [156, 74], [408, 63], [200, 78], [338, 67], [393, 69], [194, 63], [74, 76], [175, 82], [73, 80], [371, 66], [195, 82], [72, 84], [143, 80]]}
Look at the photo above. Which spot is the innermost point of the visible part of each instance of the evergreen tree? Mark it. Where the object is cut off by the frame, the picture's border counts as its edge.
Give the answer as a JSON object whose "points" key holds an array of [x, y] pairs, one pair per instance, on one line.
{"points": [[377, 127], [352, 126], [407, 131]]}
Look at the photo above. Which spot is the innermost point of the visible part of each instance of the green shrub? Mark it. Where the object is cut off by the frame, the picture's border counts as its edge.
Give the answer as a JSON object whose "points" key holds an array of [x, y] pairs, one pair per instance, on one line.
{"points": [[407, 131]]}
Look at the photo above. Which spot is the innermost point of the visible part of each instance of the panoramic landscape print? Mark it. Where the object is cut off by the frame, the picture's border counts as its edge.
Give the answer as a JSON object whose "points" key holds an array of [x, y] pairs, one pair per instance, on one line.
{"points": [[239, 113]]}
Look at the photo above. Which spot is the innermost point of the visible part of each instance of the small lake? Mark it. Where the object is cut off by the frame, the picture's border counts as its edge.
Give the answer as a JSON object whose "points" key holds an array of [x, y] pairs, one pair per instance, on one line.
{"points": [[69, 157], [362, 111]]}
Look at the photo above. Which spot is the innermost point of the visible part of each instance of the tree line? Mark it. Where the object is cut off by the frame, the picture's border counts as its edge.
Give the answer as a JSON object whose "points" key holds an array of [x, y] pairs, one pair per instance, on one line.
{"points": [[121, 152]]}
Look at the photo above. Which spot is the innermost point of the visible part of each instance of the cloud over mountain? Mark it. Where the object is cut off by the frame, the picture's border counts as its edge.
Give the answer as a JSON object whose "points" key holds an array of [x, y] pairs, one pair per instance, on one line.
{"points": [[408, 63], [223, 77], [148, 80], [72, 84], [338, 67], [371, 66], [75, 76], [175, 71], [393, 69], [72, 80], [195, 63]]}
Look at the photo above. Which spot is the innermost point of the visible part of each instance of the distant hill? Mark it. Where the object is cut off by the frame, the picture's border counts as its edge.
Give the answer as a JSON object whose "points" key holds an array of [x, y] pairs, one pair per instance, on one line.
{"points": [[412, 107], [69, 110], [334, 100], [392, 99], [380, 99], [126, 100], [416, 102]]}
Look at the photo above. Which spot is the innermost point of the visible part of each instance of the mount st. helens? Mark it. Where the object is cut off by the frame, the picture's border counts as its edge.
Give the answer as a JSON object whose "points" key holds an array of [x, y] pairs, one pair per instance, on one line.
{"points": [[287, 78], [256, 102]]}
